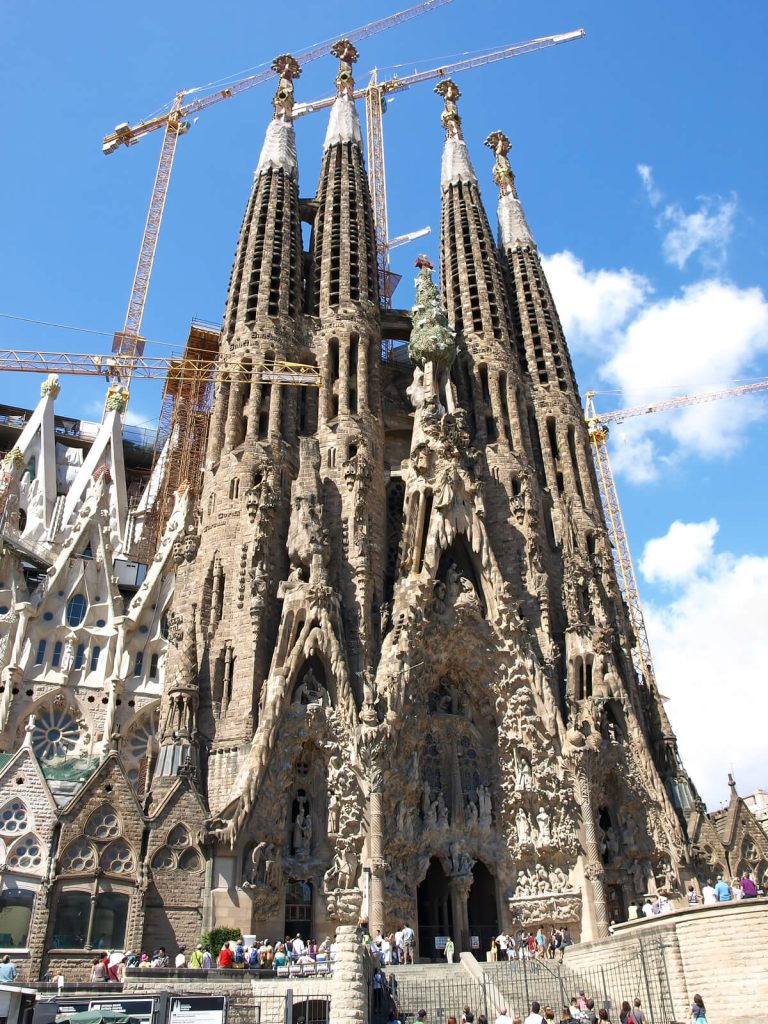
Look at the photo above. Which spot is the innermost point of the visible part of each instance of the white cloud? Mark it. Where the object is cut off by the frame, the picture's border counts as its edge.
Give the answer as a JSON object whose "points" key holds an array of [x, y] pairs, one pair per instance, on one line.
{"points": [[697, 342], [593, 304], [646, 176], [710, 649], [706, 232], [678, 556]]}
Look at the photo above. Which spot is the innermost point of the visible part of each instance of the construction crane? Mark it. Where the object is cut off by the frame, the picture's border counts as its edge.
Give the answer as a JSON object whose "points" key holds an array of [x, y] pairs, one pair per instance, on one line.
{"points": [[597, 425], [185, 409], [175, 122], [375, 94], [117, 368]]}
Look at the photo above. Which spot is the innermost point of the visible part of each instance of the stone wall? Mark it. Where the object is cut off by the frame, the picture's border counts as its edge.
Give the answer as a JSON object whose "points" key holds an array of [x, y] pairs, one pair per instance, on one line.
{"points": [[717, 951], [248, 998]]}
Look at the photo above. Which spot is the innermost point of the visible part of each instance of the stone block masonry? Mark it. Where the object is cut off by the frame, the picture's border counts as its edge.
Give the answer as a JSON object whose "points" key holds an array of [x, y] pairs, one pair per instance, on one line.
{"points": [[716, 951]]}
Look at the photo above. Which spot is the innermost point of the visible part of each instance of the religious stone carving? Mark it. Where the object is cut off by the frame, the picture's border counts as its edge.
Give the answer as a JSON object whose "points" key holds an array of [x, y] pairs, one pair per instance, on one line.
{"points": [[302, 830], [542, 821]]}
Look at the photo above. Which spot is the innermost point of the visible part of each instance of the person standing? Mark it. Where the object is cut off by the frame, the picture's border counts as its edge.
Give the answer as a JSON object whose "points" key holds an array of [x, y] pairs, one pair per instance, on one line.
{"points": [[449, 950], [722, 890], [377, 984], [98, 969], [693, 898], [409, 942], [503, 1017], [748, 887], [207, 959], [196, 960], [181, 959], [638, 1015], [534, 1017], [708, 894], [698, 1010]]}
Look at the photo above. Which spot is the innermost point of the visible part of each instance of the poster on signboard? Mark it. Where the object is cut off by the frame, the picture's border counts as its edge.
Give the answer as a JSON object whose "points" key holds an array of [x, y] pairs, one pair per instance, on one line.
{"points": [[440, 941], [197, 1010], [474, 942]]}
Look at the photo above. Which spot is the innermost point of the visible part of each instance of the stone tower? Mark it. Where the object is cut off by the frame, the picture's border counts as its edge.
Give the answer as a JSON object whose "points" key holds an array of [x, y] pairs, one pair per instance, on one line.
{"points": [[381, 668], [458, 739]]}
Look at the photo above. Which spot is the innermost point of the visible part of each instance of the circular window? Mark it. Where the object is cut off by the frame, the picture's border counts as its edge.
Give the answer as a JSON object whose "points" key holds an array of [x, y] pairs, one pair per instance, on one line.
{"points": [[55, 734], [103, 824], [76, 610], [101, 623], [48, 616], [143, 629], [117, 859], [26, 854], [3, 609], [79, 857], [13, 818]]}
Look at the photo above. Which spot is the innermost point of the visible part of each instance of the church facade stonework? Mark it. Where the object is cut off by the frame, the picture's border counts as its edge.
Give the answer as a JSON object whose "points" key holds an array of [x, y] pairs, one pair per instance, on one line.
{"points": [[379, 668]]}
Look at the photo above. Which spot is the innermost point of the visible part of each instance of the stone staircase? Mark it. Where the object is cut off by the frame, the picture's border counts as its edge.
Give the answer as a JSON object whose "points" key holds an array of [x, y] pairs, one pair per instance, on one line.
{"points": [[440, 989]]}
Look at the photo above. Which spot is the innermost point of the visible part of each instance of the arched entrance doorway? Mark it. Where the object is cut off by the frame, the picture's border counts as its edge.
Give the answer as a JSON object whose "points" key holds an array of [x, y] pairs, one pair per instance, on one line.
{"points": [[433, 901], [481, 910]]}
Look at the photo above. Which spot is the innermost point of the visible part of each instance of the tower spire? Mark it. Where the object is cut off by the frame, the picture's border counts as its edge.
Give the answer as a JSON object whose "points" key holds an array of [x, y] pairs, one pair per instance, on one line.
{"points": [[344, 124], [279, 149], [513, 227], [456, 163]]}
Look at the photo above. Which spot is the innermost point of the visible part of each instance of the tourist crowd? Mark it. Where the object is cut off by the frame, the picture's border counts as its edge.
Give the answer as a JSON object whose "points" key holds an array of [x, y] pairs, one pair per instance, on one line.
{"points": [[526, 945], [234, 954], [581, 1010]]}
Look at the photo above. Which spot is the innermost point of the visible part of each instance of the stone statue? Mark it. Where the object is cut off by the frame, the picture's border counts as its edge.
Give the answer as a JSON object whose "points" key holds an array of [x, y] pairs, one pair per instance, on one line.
{"points": [[471, 814], [302, 830], [442, 811], [485, 807], [523, 827], [334, 813], [524, 779], [68, 657], [545, 835]]}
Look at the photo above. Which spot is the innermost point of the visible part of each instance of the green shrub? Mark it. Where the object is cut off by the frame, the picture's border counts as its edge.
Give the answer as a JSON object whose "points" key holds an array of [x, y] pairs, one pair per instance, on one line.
{"points": [[215, 939]]}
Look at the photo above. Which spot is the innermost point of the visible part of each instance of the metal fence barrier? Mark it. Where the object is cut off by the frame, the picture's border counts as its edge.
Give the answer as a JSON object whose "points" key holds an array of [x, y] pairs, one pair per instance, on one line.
{"points": [[637, 973]]}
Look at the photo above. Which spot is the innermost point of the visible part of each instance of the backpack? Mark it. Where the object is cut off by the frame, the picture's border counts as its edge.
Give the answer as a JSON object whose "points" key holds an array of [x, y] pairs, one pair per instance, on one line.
{"points": [[239, 955]]}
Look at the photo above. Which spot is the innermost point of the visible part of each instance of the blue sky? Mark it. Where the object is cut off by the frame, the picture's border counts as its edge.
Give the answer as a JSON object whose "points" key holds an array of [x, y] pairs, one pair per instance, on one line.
{"points": [[640, 156]]}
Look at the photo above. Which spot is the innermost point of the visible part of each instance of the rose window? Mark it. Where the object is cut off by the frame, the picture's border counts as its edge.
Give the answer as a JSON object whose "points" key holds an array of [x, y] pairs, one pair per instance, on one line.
{"points": [[26, 854], [55, 734], [80, 856], [103, 824], [117, 859], [13, 818]]}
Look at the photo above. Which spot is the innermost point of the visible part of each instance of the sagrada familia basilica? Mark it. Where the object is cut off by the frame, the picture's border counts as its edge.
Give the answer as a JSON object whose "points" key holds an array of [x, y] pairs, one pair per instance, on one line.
{"points": [[378, 667]]}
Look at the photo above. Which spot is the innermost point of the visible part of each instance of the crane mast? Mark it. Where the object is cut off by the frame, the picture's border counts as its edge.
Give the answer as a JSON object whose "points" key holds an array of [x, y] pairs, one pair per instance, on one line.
{"points": [[374, 94], [614, 518], [128, 343]]}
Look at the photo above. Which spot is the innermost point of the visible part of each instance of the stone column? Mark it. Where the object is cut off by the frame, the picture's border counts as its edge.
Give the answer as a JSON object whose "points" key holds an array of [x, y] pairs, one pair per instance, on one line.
{"points": [[593, 869], [373, 739], [349, 992], [376, 913], [459, 886]]}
